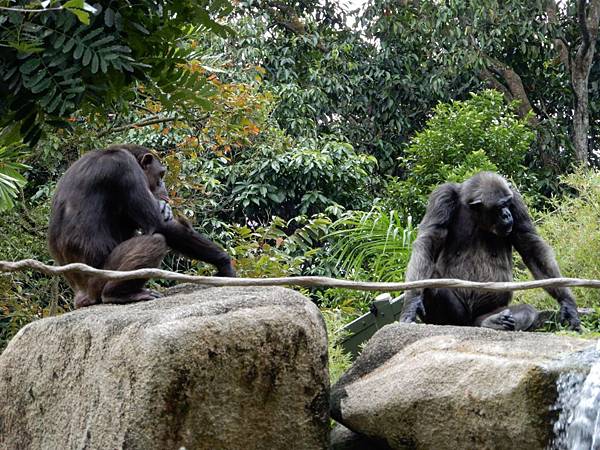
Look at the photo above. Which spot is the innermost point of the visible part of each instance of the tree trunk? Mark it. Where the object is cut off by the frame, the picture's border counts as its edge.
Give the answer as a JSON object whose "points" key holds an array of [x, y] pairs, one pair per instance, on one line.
{"points": [[512, 87], [503, 78], [580, 72]]}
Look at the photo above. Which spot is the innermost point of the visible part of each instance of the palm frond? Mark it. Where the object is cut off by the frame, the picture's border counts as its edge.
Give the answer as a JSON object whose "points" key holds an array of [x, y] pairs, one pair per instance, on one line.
{"points": [[372, 245], [11, 179]]}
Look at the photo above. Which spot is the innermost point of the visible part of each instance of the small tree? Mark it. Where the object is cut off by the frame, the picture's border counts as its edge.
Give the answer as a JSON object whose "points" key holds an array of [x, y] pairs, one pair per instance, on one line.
{"points": [[461, 139]]}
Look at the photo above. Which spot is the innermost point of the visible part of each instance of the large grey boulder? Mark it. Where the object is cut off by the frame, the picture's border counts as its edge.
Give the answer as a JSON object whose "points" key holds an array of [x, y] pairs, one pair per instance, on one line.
{"points": [[442, 387], [220, 368]]}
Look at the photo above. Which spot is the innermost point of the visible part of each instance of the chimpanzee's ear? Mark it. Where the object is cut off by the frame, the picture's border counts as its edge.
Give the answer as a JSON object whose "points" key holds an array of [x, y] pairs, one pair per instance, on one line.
{"points": [[146, 160]]}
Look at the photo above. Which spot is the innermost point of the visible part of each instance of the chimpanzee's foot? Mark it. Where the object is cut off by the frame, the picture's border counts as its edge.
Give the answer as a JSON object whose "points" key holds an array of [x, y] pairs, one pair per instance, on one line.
{"points": [[527, 318], [82, 300], [502, 320], [140, 296]]}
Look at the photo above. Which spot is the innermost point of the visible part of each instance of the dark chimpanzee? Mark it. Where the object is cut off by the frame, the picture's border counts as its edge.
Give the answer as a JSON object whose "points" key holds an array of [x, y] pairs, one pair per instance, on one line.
{"points": [[468, 232], [101, 204]]}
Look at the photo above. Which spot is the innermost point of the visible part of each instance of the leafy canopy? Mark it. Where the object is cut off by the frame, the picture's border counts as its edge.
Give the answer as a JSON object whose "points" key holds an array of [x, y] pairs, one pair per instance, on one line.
{"points": [[53, 63], [461, 139]]}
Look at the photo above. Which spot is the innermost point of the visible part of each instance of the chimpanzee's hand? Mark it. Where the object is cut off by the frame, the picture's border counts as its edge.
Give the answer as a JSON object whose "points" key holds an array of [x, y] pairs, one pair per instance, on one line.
{"points": [[226, 271], [412, 309], [165, 210], [568, 314]]}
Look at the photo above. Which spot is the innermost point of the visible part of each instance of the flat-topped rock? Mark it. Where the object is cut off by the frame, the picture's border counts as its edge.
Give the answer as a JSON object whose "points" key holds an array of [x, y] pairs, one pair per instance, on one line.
{"points": [[219, 368], [441, 387]]}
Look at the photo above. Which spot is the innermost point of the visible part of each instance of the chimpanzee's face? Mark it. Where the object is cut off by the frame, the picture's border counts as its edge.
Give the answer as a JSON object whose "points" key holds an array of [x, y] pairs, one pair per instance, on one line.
{"points": [[155, 173], [495, 216]]}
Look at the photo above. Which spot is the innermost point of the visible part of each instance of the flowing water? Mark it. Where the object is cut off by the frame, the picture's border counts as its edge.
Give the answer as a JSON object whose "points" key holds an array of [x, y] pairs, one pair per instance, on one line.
{"points": [[578, 403]]}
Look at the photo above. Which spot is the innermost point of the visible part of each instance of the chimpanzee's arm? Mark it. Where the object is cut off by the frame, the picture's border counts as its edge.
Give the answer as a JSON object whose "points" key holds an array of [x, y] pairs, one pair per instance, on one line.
{"points": [[539, 258], [431, 238], [131, 183], [184, 239], [145, 211]]}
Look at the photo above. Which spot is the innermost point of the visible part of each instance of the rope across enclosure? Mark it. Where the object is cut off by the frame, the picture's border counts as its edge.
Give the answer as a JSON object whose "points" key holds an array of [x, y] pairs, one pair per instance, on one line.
{"points": [[302, 281]]}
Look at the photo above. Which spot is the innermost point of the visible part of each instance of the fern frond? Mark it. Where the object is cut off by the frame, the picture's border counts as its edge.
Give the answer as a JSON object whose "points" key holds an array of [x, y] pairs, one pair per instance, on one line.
{"points": [[375, 243]]}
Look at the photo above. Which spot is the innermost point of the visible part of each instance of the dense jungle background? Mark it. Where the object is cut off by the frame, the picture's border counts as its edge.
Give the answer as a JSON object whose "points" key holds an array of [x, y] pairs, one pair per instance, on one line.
{"points": [[304, 136]]}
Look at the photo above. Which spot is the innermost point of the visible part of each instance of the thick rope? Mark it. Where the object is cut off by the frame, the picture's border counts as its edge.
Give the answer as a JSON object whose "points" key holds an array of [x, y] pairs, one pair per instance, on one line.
{"points": [[31, 264]]}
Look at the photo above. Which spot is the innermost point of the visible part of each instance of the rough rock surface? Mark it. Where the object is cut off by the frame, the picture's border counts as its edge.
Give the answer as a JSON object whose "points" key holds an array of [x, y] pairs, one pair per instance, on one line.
{"points": [[341, 438], [220, 368], [442, 387]]}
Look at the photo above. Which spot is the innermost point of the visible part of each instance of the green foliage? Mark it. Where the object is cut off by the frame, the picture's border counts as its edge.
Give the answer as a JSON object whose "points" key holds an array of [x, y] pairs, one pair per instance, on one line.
{"points": [[271, 251], [461, 139], [573, 232], [304, 179], [372, 245], [172, 80], [52, 64], [590, 323], [442, 51], [350, 303], [11, 168], [79, 8], [339, 360], [27, 296], [321, 73], [10, 178], [236, 162]]}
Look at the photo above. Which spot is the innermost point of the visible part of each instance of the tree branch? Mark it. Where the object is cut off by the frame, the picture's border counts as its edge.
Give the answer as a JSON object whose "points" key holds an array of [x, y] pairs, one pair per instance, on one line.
{"points": [[143, 108], [24, 10], [580, 72], [486, 75], [512, 88], [287, 18], [583, 26], [564, 51], [309, 281], [143, 123]]}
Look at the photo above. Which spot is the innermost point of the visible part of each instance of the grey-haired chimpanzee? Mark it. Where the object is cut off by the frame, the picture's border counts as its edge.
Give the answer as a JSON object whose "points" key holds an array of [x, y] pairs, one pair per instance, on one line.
{"points": [[468, 232], [100, 206]]}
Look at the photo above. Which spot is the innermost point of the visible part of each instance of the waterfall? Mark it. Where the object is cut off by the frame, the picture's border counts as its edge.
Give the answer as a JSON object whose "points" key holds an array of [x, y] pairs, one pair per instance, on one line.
{"points": [[578, 403]]}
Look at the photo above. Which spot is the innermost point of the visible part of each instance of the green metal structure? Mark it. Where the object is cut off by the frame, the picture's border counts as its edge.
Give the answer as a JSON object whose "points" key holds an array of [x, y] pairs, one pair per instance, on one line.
{"points": [[384, 310]]}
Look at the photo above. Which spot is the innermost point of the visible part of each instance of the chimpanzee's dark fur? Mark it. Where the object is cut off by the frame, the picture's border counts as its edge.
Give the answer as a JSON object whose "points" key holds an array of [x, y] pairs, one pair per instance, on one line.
{"points": [[468, 232], [100, 203]]}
